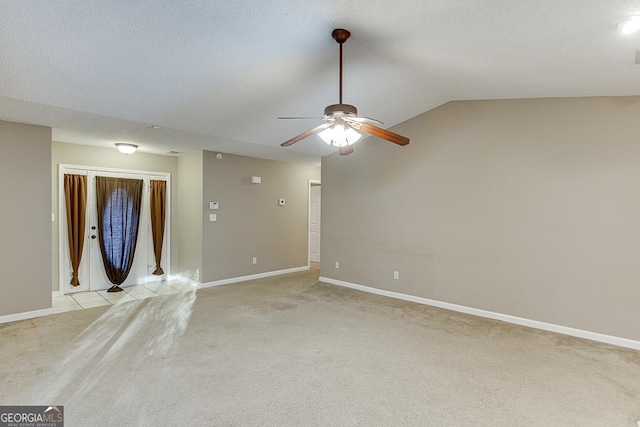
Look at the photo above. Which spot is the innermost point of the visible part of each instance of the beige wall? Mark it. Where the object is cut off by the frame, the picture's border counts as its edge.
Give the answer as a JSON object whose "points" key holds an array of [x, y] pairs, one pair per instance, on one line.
{"points": [[190, 245], [250, 222], [25, 218], [524, 207], [84, 155]]}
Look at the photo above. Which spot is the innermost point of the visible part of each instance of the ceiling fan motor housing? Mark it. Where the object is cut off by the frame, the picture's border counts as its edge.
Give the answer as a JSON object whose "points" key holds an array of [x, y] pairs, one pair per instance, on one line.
{"points": [[340, 110]]}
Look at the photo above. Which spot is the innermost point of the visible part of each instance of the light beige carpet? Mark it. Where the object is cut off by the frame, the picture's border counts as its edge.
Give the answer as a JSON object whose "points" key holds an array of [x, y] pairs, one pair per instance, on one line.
{"points": [[292, 351]]}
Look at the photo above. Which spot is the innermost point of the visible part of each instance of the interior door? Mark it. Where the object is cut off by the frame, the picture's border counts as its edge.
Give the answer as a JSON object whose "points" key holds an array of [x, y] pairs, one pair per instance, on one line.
{"points": [[139, 270], [314, 224]]}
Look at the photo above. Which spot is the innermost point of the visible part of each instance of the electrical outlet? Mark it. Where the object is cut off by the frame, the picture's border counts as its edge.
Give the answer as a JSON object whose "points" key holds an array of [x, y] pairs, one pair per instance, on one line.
{"points": [[337, 264], [396, 275], [255, 260]]}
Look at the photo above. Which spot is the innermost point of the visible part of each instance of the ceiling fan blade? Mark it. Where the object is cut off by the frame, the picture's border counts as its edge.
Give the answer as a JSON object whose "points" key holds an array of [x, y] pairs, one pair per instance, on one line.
{"points": [[384, 134], [305, 134], [345, 151], [299, 118], [363, 120]]}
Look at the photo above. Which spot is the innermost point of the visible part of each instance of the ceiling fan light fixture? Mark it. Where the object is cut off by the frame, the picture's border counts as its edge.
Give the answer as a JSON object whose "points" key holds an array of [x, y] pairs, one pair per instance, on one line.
{"points": [[340, 135], [125, 148], [630, 26]]}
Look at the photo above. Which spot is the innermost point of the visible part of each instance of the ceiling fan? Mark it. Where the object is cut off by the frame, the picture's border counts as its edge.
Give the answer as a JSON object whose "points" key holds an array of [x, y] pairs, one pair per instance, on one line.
{"points": [[342, 123]]}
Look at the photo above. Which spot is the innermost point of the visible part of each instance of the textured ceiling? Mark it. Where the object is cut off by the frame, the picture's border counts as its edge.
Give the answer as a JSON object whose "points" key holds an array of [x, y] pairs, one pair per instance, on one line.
{"points": [[216, 74]]}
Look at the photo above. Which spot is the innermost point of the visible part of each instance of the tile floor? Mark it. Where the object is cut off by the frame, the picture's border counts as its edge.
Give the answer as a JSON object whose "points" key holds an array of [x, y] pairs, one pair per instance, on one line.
{"points": [[82, 300]]}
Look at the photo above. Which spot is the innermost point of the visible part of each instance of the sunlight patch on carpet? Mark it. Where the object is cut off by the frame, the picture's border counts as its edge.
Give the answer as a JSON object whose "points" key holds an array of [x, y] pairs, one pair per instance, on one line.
{"points": [[134, 333]]}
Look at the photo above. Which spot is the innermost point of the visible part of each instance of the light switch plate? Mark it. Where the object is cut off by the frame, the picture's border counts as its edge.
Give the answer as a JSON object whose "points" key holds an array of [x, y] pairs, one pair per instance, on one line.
{"points": [[213, 217]]}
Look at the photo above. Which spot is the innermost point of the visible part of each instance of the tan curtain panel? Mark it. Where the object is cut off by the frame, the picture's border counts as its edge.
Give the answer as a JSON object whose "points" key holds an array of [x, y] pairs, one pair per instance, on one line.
{"points": [[158, 208], [75, 193], [118, 201]]}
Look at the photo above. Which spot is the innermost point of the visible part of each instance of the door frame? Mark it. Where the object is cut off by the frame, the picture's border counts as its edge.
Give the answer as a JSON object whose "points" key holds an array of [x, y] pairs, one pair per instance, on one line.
{"points": [[311, 182], [64, 168]]}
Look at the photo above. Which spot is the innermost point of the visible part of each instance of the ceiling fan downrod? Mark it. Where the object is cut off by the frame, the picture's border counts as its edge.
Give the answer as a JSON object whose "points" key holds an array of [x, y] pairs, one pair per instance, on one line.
{"points": [[340, 35]]}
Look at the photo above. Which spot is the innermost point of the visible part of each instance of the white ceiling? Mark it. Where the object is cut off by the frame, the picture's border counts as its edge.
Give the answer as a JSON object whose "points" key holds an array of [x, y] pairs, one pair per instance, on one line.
{"points": [[216, 74]]}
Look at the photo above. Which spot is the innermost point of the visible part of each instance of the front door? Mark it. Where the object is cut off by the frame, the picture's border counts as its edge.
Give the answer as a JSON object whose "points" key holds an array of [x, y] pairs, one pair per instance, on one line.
{"points": [[92, 274]]}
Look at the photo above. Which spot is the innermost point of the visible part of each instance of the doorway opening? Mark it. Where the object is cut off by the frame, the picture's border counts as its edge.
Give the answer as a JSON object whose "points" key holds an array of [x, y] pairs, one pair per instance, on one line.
{"points": [[315, 191], [91, 273]]}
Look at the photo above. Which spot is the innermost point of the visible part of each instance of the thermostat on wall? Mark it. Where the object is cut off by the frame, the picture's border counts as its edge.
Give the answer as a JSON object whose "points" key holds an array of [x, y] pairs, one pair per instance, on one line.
{"points": [[256, 180], [280, 202]]}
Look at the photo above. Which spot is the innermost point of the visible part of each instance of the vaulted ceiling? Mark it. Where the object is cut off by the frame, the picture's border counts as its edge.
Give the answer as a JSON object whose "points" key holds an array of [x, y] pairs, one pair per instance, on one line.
{"points": [[216, 74]]}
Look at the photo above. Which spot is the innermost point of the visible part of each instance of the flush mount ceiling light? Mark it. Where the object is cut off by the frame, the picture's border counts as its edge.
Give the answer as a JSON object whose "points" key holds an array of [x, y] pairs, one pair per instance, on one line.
{"points": [[630, 26], [126, 148]]}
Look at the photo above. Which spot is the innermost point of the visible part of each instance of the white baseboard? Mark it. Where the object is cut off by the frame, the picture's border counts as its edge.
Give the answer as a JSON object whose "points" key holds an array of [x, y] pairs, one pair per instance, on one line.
{"points": [[55, 294], [245, 278], [26, 315], [594, 336]]}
